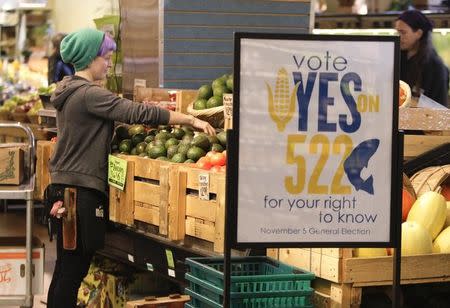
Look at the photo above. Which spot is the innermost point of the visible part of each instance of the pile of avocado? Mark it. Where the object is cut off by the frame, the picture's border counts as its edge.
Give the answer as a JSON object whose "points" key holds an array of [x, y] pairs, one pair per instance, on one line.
{"points": [[210, 96], [175, 144]]}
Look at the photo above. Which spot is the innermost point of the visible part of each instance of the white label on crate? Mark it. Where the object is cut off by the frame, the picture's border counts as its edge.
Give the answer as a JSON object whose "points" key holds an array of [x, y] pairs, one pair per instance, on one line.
{"points": [[131, 258], [203, 183], [140, 83], [150, 267], [171, 272], [228, 106]]}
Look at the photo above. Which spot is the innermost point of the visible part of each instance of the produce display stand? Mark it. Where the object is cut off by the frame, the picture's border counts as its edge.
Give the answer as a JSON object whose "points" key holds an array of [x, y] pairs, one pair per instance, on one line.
{"points": [[342, 276], [23, 191]]}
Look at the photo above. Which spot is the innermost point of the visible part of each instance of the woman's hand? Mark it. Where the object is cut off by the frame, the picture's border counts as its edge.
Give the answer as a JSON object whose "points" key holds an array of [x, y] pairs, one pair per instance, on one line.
{"points": [[204, 126]]}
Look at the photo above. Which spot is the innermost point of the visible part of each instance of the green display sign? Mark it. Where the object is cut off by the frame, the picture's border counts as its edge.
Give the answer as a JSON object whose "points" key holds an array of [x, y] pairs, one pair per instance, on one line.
{"points": [[117, 172]]}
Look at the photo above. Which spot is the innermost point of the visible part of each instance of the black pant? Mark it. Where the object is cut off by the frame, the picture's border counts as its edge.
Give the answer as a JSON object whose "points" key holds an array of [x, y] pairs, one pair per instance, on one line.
{"points": [[72, 265]]}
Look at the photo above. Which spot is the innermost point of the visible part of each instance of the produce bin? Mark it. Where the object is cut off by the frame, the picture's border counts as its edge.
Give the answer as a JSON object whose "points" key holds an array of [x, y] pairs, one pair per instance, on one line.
{"points": [[255, 282]]}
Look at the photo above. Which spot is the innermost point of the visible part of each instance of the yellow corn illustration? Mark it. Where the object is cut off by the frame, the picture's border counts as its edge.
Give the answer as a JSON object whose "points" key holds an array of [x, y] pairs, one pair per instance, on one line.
{"points": [[282, 106]]}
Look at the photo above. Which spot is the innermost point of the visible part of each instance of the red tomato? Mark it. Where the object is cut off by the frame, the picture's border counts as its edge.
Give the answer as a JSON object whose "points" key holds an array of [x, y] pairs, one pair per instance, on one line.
{"points": [[218, 159], [204, 163], [407, 202], [446, 190]]}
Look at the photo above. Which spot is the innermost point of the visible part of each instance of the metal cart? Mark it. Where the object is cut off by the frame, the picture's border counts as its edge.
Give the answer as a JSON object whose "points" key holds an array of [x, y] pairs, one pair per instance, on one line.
{"points": [[23, 192]]}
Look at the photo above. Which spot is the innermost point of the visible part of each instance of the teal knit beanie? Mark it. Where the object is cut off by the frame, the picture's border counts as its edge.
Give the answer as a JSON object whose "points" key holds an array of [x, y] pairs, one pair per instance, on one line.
{"points": [[81, 47]]}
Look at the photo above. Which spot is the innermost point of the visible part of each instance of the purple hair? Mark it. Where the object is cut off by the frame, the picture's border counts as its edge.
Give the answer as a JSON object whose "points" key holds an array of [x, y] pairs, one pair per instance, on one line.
{"points": [[107, 45]]}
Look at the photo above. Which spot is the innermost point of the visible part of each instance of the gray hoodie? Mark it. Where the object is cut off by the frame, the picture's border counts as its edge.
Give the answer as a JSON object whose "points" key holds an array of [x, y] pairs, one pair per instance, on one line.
{"points": [[85, 120]]}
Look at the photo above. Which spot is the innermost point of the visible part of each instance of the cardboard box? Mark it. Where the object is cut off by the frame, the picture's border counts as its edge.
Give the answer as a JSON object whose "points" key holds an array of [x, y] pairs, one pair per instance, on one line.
{"points": [[12, 266], [11, 164]]}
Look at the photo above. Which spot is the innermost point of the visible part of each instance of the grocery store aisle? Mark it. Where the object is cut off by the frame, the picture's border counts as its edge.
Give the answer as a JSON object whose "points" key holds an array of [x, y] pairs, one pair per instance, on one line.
{"points": [[12, 223]]}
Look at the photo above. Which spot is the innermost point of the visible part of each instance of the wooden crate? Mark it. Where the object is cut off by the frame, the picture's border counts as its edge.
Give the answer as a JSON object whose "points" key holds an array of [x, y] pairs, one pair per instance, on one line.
{"points": [[183, 97], [145, 198], [434, 122], [44, 151], [194, 217], [424, 119], [346, 275]]}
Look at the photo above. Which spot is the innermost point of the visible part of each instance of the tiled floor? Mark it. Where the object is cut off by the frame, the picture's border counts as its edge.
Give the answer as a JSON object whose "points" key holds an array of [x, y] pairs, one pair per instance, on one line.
{"points": [[12, 223]]}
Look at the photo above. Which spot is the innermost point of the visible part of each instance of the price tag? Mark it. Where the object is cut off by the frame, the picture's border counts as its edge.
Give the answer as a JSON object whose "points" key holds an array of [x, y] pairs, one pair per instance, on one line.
{"points": [[140, 83], [131, 258], [169, 256], [203, 183], [117, 172], [171, 272], [228, 106], [150, 267]]}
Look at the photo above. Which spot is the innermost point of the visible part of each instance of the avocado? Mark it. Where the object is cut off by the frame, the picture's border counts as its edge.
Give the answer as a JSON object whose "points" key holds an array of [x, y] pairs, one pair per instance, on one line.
{"points": [[183, 148], [178, 158], [133, 151], [122, 132], [137, 138], [140, 147], [152, 132], [201, 141], [219, 91], [187, 139], [205, 92], [149, 138], [218, 82], [222, 136], [136, 129], [163, 135], [229, 84], [157, 151], [171, 141], [216, 147], [172, 150], [178, 133], [125, 146], [195, 153], [189, 161], [143, 154], [215, 101], [212, 139], [199, 104]]}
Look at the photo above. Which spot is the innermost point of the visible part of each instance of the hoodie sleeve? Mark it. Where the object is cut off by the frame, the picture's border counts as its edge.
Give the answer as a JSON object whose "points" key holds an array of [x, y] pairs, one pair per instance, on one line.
{"points": [[105, 104]]}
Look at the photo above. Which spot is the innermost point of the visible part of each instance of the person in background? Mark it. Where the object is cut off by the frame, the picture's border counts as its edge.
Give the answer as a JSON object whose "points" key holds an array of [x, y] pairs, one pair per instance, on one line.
{"points": [[420, 65], [85, 121], [57, 69]]}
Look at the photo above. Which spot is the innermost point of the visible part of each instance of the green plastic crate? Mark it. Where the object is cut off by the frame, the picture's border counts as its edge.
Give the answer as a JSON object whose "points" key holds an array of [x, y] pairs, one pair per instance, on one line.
{"points": [[256, 282]]}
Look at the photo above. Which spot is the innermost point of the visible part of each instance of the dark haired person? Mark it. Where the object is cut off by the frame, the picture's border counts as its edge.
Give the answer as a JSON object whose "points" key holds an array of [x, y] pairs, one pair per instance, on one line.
{"points": [[57, 69], [420, 66]]}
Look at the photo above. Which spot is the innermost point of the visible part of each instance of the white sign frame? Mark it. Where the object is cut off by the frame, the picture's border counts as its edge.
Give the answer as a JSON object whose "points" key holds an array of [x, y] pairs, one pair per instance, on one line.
{"points": [[260, 166]]}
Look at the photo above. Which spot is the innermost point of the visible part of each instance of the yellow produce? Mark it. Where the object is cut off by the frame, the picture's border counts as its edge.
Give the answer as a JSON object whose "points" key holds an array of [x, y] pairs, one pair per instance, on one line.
{"points": [[370, 252], [415, 239], [442, 242], [430, 211]]}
